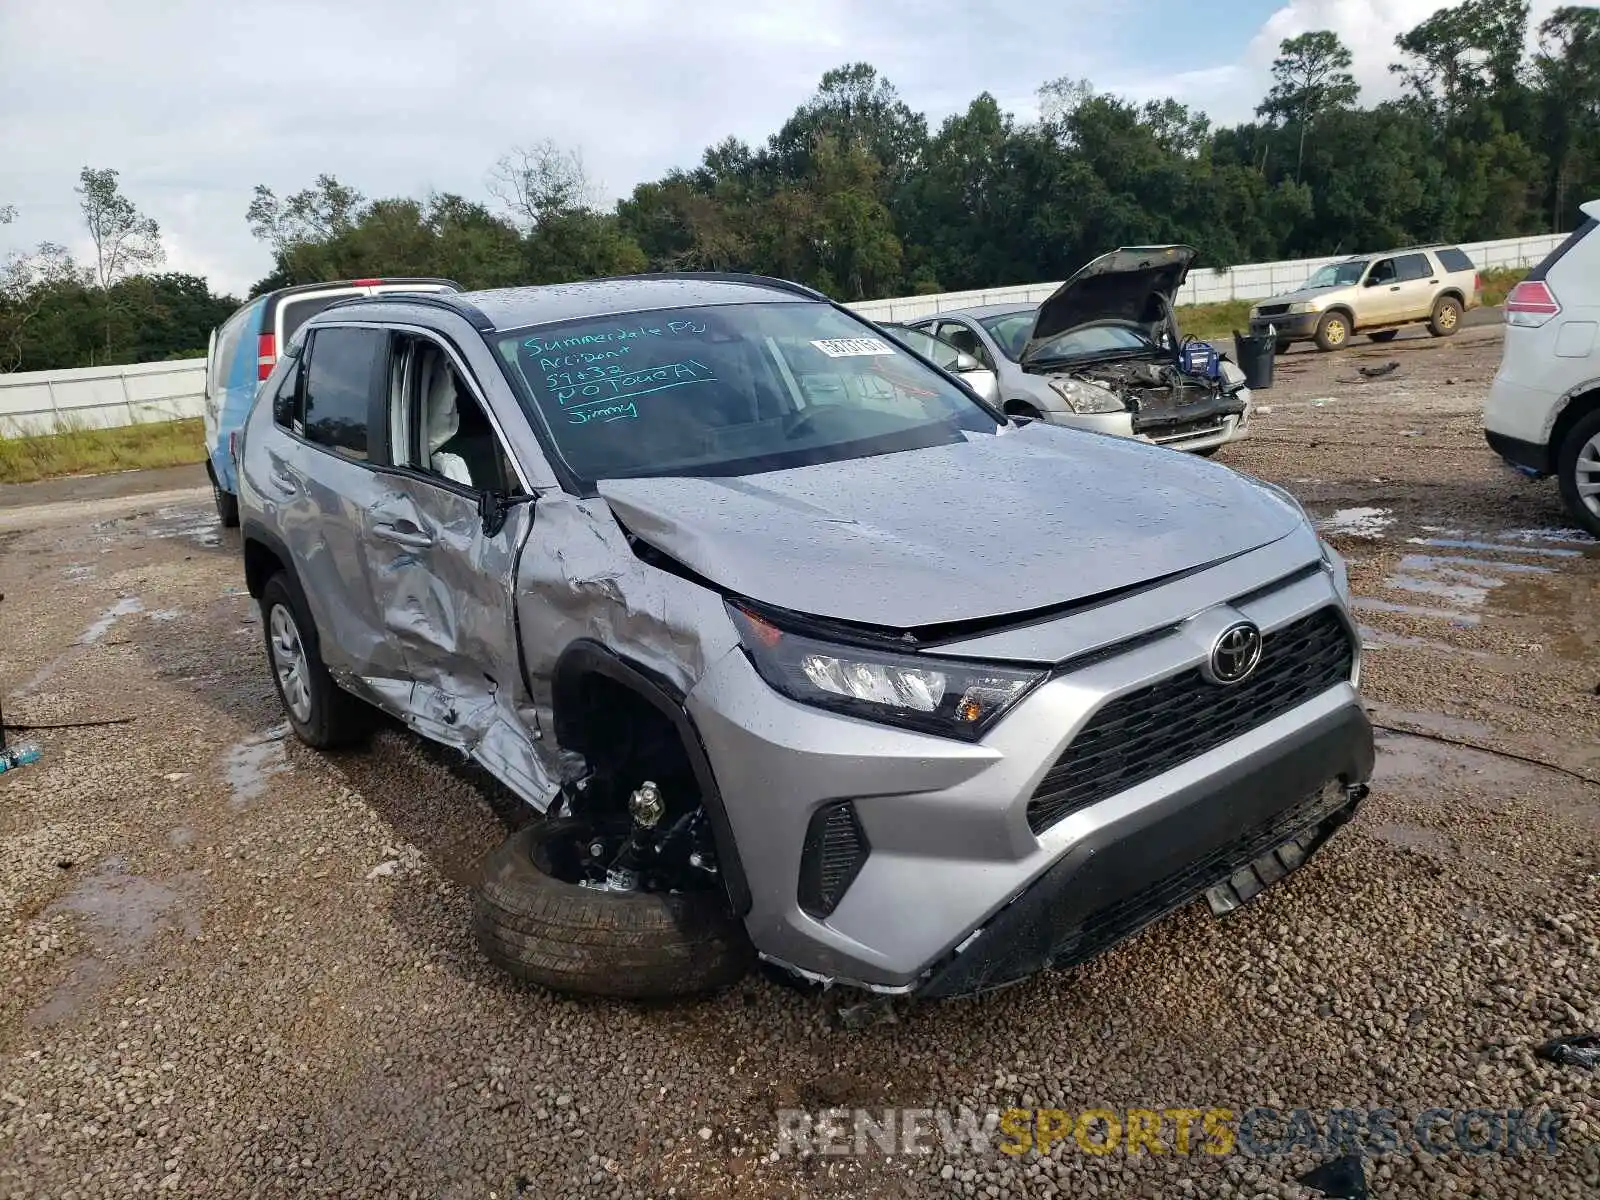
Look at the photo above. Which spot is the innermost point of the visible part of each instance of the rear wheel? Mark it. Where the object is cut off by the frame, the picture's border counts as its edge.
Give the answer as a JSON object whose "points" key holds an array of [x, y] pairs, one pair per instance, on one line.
{"points": [[321, 713], [1578, 470], [1333, 331], [1384, 335], [1446, 318], [227, 503]]}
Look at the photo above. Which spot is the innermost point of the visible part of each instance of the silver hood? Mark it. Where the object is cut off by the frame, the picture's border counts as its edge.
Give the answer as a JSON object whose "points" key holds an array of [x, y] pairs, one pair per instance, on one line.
{"points": [[1028, 519], [1118, 286]]}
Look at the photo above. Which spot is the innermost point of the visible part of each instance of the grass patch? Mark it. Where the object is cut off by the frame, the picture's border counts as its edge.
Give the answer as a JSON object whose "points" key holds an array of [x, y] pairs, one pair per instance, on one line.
{"points": [[101, 451], [1498, 282], [1215, 322]]}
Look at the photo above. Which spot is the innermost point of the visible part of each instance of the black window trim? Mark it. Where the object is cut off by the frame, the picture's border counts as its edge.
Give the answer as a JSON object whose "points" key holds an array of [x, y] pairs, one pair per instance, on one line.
{"points": [[385, 466], [1541, 269]]}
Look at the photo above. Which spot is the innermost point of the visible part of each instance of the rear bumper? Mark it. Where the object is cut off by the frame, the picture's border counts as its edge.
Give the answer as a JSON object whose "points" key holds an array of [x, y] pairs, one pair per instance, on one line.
{"points": [[1532, 458], [1132, 872]]}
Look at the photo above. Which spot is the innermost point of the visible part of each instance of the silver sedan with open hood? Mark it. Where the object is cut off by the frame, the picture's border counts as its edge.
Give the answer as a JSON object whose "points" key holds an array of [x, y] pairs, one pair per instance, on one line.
{"points": [[1105, 353], [713, 575]]}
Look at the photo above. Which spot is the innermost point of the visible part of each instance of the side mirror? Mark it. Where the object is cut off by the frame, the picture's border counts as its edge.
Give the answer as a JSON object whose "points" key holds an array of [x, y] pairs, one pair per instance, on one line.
{"points": [[966, 362], [492, 507]]}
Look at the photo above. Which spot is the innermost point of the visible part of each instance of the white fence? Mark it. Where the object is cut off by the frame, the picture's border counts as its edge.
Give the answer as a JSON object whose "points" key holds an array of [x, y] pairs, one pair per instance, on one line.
{"points": [[1204, 285], [100, 397]]}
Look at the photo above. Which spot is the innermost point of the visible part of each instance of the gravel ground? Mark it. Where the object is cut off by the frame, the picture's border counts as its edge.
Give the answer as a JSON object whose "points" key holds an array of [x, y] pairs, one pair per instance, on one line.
{"points": [[233, 966]]}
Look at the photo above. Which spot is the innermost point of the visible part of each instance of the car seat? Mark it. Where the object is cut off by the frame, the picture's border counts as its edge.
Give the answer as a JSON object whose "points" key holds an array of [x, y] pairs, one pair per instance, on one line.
{"points": [[443, 421]]}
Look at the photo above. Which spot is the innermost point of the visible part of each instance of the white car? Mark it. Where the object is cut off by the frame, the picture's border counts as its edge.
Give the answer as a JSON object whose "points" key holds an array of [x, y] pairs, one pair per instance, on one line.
{"points": [[1543, 412], [1104, 353]]}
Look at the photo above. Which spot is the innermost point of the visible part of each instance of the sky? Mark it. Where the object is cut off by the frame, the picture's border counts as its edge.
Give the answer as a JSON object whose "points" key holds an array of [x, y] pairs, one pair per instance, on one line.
{"points": [[194, 102]]}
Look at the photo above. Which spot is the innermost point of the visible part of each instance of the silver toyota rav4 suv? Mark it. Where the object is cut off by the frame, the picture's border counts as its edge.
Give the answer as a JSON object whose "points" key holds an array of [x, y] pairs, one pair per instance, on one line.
{"points": [[796, 647]]}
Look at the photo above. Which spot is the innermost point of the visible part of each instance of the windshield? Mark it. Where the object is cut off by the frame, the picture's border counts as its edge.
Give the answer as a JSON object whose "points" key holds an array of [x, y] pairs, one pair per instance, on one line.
{"points": [[1337, 275], [1090, 340], [729, 390], [1011, 331]]}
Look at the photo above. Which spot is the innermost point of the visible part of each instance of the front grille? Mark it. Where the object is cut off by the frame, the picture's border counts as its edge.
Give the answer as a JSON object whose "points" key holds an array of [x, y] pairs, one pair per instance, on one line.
{"points": [[1188, 429], [836, 849], [1272, 310], [1141, 734]]}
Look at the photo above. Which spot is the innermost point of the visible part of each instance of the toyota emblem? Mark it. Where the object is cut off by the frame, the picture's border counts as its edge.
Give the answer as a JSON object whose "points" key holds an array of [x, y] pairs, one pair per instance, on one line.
{"points": [[1235, 654]]}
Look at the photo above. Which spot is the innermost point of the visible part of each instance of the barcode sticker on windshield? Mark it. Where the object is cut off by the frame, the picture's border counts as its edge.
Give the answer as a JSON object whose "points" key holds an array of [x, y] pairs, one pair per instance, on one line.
{"points": [[853, 347]]}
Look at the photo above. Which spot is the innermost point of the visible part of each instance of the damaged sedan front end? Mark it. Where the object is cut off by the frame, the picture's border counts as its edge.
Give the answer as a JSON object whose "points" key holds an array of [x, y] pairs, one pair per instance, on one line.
{"points": [[706, 571]]}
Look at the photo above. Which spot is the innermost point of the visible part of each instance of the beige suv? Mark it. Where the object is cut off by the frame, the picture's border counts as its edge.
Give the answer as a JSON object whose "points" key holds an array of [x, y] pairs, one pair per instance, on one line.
{"points": [[1376, 295]]}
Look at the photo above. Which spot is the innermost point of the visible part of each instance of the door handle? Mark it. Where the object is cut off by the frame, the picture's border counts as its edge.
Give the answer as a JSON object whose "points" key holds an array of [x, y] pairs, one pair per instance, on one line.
{"points": [[403, 533], [1395, 288], [284, 483]]}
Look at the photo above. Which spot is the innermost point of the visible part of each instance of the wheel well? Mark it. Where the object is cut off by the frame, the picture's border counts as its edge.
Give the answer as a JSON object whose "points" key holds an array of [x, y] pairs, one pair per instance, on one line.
{"points": [[1450, 294], [1577, 408], [261, 563], [1341, 310], [1021, 408], [625, 720]]}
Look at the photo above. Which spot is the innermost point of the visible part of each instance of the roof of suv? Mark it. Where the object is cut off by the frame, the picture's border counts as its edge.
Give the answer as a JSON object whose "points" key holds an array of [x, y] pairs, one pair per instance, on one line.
{"points": [[511, 308]]}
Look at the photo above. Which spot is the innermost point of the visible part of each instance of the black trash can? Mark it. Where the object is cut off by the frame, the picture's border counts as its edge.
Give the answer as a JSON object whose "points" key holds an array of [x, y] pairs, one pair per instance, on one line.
{"points": [[1254, 356]]}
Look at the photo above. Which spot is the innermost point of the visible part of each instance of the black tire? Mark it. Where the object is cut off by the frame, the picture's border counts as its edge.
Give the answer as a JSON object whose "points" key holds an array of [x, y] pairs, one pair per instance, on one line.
{"points": [[331, 717], [1333, 331], [1207, 452], [227, 503], [1446, 318], [627, 945], [1384, 335], [1582, 442]]}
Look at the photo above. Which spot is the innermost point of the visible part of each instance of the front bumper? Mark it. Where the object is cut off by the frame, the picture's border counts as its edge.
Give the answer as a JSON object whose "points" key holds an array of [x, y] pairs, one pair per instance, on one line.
{"points": [[1130, 873], [1290, 327], [951, 848]]}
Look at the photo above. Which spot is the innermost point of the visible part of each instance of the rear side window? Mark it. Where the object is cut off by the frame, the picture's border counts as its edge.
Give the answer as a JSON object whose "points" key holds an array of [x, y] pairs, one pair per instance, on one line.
{"points": [[1413, 266], [1452, 259], [345, 369], [1556, 255], [294, 313]]}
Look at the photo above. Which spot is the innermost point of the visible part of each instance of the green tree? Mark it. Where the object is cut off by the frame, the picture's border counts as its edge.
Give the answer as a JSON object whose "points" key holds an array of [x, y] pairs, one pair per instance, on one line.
{"points": [[1463, 53], [125, 240], [1311, 76]]}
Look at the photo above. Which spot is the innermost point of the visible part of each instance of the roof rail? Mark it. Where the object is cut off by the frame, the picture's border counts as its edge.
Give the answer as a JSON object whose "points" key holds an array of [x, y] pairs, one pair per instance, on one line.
{"points": [[782, 285], [474, 315]]}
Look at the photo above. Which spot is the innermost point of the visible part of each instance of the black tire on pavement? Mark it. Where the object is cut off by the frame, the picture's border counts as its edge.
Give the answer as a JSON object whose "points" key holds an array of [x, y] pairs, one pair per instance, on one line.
{"points": [[322, 714], [1446, 318], [1581, 443], [1333, 331], [627, 945], [1384, 335], [227, 503]]}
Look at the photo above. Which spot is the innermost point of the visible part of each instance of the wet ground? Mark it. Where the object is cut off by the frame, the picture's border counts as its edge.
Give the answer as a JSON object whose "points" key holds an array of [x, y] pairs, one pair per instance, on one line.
{"points": [[233, 966]]}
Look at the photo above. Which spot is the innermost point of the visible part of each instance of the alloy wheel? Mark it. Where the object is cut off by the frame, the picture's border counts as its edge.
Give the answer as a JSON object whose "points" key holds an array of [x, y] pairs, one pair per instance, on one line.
{"points": [[289, 661]]}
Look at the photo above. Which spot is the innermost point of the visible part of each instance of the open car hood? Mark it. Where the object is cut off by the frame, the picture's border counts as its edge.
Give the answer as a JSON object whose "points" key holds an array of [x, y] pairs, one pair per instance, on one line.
{"points": [[1119, 286], [1028, 519]]}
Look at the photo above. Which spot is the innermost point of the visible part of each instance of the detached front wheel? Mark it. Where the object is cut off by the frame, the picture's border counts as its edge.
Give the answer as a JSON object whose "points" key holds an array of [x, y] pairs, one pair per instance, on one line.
{"points": [[544, 918]]}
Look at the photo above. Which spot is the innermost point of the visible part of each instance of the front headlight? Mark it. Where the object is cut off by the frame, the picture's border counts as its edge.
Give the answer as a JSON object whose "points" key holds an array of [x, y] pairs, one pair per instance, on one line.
{"points": [[1086, 397], [1302, 307], [935, 695], [1333, 562]]}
